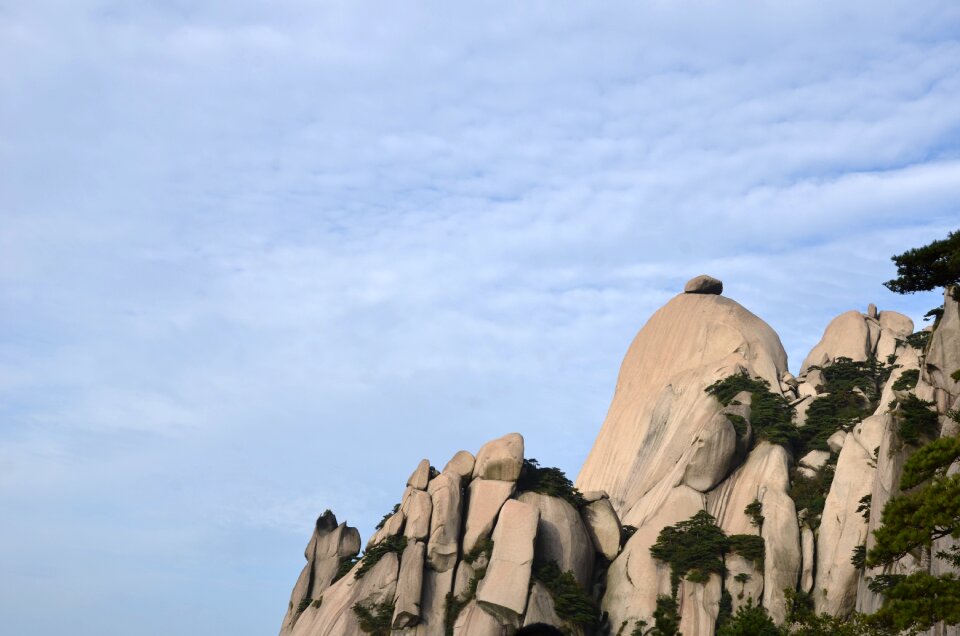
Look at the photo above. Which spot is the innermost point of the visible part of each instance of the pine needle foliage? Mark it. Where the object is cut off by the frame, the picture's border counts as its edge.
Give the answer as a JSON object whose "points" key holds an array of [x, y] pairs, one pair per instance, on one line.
{"points": [[915, 420], [907, 380], [754, 510], [810, 493], [771, 415], [750, 620], [919, 340], [375, 618], [936, 264], [693, 548], [346, 564], [570, 602], [386, 517], [749, 546], [373, 554], [549, 481], [852, 392]]}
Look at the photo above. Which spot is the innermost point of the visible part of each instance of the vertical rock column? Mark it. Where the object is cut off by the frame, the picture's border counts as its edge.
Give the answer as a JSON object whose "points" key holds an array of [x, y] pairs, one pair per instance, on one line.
{"points": [[503, 591]]}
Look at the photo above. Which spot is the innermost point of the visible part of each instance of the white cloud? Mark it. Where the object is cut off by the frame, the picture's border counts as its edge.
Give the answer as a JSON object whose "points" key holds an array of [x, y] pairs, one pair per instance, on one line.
{"points": [[257, 260]]}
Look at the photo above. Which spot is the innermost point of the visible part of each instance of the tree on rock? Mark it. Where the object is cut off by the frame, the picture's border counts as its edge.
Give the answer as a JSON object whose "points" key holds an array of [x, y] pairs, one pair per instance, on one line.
{"points": [[929, 510], [928, 267]]}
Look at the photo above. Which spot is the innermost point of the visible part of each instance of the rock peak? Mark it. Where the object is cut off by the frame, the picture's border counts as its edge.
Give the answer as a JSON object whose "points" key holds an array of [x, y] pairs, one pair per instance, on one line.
{"points": [[703, 284]]}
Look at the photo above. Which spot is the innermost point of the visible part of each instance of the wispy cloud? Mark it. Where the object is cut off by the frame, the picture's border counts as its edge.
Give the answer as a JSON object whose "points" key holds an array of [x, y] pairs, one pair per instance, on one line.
{"points": [[258, 260]]}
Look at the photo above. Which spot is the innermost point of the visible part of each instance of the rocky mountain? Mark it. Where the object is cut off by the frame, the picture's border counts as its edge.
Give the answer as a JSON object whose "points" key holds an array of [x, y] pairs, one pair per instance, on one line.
{"points": [[718, 480]]}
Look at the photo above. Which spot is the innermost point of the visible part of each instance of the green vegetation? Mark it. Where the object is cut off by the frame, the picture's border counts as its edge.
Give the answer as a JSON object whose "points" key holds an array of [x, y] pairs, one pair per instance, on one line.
{"points": [[955, 376], [914, 420], [771, 416], [919, 340], [754, 510], [346, 564], [304, 604], [853, 391], [454, 604], [571, 603], [803, 621], [375, 619], [317, 602], [742, 579], [548, 481], [929, 267], [483, 547], [724, 609], [750, 620], [373, 554], [626, 533], [739, 423], [694, 549], [928, 510], [863, 506], [749, 546], [859, 556], [810, 493], [383, 522], [666, 618], [907, 380]]}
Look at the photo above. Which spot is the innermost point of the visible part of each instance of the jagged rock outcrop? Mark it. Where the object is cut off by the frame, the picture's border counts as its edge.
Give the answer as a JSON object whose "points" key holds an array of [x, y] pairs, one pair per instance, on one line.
{"points": [[471, 549], [500, 459], [445, 497], [335, 616], [487, 496], [434, 567], [562, 537], [858, 337], [942, 360], [603, 526], [409, 586], [503, 591], [842, 528], [764, 477], [328, 546]]}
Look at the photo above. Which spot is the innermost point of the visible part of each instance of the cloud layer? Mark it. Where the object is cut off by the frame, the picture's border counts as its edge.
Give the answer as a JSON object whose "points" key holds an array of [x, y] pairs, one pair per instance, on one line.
{"points": [[257, 259]]}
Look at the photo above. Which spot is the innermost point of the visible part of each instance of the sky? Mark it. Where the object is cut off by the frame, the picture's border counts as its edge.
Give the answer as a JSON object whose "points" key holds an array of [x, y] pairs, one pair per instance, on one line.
{"points": [[257, 259]]}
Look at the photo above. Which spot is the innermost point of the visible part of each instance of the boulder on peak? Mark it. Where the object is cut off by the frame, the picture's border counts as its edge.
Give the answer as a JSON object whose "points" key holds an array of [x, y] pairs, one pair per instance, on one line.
{"points": [[703, 284]]}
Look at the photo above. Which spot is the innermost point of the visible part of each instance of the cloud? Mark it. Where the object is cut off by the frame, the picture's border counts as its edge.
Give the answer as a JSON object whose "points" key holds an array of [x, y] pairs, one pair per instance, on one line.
{"points": [[258, 260]]}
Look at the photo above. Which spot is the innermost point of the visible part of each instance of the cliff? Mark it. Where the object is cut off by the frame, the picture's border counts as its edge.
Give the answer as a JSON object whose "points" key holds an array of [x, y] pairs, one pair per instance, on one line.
{"points": [[717, 479]]}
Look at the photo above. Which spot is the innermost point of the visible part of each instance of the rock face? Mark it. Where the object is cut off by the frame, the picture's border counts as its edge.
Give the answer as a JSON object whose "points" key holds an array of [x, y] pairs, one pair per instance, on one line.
{"points": [[503, 591], [329, 544], [764, 477], [660, 411], [500, 459], [603, 526], [842, 528], [468, 550], [847, 336], [444, 521], [562, 537], [335, 615], [409, 586], [481, 559], [487, 496], [943, 357]]}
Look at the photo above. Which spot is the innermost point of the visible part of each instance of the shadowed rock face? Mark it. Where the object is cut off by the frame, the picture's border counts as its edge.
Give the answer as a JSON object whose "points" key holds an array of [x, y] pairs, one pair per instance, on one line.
{"points": [[467, 545], [703, 284]]}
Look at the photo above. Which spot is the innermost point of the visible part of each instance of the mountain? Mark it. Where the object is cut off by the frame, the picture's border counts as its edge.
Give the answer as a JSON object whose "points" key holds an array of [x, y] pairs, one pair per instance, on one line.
{"points": [[718, 482]]}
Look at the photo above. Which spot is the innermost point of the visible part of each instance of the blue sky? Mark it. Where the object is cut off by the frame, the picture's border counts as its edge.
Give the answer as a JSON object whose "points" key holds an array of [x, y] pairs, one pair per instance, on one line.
{"points": [[258, 259]]}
